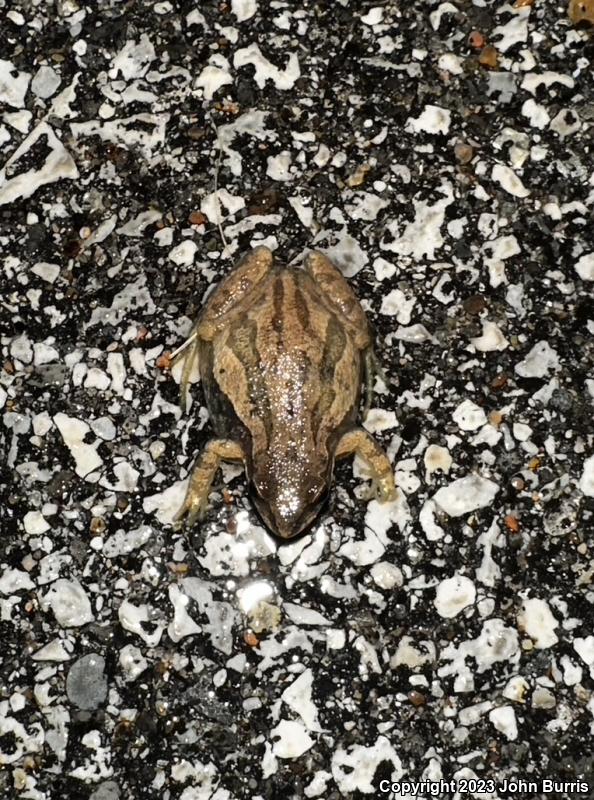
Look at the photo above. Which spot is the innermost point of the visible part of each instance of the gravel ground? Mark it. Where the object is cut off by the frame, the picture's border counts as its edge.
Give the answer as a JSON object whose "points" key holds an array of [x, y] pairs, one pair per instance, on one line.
{"points": [[442, 154]]}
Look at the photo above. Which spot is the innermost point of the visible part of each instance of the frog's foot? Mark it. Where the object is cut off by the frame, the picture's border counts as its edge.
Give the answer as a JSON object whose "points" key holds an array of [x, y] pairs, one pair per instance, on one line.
{"points": [[364, 445], [196, 499]]}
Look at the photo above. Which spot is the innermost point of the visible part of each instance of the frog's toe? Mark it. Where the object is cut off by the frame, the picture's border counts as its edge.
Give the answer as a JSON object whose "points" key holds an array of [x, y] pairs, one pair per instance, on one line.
{"points": [[193, 509], [383, 488]]}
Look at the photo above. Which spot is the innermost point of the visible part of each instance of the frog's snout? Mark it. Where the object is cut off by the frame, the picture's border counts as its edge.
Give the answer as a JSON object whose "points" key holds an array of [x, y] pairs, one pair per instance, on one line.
{"points": [[289, 513]]}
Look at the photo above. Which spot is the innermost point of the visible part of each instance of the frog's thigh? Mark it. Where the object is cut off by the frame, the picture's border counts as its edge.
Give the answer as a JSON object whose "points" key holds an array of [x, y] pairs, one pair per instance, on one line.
{"points": [[233, 289], [340, 295], [208, 462], [364, 445]]}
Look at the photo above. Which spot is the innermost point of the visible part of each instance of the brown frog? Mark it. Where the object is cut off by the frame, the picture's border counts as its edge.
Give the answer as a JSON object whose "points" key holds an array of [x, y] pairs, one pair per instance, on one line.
{"points": [[282, 354]]}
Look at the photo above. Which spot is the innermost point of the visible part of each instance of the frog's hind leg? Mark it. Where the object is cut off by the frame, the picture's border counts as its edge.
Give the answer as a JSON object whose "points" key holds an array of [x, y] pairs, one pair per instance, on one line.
{"points": [[196, 499], [364, 445], [340, 296], [233, 291]]}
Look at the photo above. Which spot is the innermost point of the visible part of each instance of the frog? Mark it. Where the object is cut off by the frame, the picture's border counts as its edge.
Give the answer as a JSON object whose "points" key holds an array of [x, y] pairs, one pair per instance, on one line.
{"points": [[283, 352]]}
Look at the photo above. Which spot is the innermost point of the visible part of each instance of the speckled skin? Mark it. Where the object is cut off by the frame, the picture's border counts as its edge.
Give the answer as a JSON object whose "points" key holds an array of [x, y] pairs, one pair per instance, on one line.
{"points": [[282, 353]]}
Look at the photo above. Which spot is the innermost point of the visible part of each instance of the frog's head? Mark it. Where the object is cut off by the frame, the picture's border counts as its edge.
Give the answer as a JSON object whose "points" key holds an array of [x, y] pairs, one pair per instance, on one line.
{"points": [[290, 504]]}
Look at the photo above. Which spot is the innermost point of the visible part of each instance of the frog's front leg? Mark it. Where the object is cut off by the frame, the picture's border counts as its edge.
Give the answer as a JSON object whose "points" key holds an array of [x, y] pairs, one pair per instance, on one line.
{"points": [[364, 445], [208, 462], [339, 295]]}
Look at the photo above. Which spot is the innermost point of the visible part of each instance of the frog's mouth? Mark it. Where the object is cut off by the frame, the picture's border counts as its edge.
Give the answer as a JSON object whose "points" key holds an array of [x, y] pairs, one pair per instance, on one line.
{"points": [[288, 516]]}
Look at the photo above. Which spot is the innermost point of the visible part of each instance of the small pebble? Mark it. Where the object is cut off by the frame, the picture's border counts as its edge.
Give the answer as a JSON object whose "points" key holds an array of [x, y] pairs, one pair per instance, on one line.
{"points": [[86, 684]]}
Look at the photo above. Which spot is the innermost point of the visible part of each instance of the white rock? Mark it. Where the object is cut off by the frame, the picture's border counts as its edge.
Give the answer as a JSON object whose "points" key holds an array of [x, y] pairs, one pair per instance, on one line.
{"points": [[298, 697], [396, 304], [134, 58], [348, 255], [354, 768], [466, 495], [516, 689], [521, 431], [409, 655], [132, 662], [454, 595], [509, 181], [436, 458], [35, 522], [374, 16], [430, 528], [214, 76], [584, 647], [587, 480], [13, 85], [514, 30], [451, 63], [572, 673], [123, 542], [264, 70], [536, 114], [433, 119], [135, 227], [566, 122], [302, 615], [21, 349], [536, 619], [69, 602], [468, 416], [73, 432], [131, 618], [378, 419], [182, 624], [538, 362], [104, 428], [543, 698], [413, 334], [422, 236], [59, 164], [278, 167], [15, 580], [48, 272], [53, 651], [585, 267], [491, 338], [97, 379], [386, 575], [45, 83], [470, 715], [303, 211], [532, 80], [142, 131], [244, 9], [503, 719], [183, 254], [290, 739], [211, 205]]}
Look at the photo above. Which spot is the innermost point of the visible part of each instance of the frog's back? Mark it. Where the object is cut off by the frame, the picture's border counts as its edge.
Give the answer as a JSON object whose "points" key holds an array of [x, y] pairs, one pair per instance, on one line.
{"points": [[285, 368]]}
